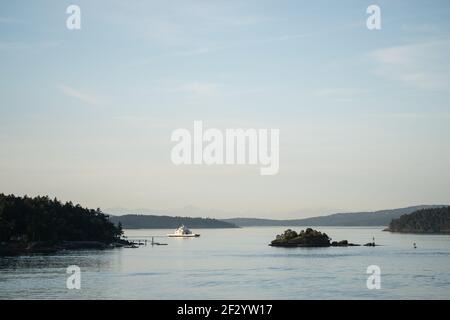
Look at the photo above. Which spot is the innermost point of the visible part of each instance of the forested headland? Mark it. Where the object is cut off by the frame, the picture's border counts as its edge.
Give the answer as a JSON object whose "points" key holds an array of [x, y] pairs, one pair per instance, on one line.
{"points": [[433, 220], [43, 224]]}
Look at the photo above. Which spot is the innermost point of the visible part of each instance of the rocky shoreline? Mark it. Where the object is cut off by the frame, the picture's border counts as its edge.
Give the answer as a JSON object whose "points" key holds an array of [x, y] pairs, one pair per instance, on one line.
{"points": [[44, 247], [311, 238]]}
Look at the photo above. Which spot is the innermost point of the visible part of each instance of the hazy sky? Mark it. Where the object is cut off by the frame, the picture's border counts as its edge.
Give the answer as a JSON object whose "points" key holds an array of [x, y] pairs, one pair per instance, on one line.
{"points": [[364, 116]]}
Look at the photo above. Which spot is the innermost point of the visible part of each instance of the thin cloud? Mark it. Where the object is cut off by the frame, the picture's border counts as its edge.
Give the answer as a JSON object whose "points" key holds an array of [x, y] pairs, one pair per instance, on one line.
{"points": [[421, 65], [423, 28], [288, 37], [8, 20], [231, 45], [79, 95], [237, 21], [26, 46], [194, 52], [198, 89], [412, 115], [340, 94]]}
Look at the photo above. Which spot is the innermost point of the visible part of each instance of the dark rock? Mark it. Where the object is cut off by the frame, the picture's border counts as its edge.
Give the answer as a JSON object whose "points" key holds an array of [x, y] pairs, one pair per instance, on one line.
{"points": [[343, 243], [370, 244], [306, 238]]}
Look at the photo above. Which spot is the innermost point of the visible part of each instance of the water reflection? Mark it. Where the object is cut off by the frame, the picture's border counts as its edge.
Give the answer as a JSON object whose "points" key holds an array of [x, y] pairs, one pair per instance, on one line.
{"points": [[238, 263]]}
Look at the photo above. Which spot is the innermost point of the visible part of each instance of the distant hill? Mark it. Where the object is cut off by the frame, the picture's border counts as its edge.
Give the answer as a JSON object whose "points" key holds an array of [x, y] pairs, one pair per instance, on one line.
{"points": [[436, 220], [135, 221], [376, 218]]}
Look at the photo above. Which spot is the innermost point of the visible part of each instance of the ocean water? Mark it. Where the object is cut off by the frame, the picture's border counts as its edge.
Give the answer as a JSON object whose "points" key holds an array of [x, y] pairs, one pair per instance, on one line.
{"points": [[239, 264]]}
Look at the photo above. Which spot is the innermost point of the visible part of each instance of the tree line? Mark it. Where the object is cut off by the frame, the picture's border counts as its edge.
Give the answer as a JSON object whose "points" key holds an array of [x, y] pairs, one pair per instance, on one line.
{"points": [[433, 220], [43, 219], [136, 221]]}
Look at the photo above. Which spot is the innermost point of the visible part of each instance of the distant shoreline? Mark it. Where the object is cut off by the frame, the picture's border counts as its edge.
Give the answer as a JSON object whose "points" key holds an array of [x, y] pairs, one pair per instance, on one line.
{"points": [[425, 221], [375, 219], [171, 229], [351, 219], [139, 221], [280, 226], [419, 233], [47, 247]]}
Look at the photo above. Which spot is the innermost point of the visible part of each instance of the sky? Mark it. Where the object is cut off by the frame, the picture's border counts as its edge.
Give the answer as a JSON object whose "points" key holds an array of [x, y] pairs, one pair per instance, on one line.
{"points": [[87, 115]]}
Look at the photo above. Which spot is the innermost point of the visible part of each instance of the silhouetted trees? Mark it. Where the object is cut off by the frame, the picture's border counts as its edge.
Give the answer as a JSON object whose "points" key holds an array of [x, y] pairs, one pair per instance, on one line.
{"points": [[306, 238], [135, 221], [436, 220], [42, 219]]}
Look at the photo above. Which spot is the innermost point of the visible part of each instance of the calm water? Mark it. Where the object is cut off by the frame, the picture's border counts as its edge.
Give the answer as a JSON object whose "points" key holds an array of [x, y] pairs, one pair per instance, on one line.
{"points": [[238, 264]]}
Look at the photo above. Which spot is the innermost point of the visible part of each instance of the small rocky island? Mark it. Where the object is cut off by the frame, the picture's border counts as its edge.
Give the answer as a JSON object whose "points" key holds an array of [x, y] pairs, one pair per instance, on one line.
{"points": [[310, 238]]}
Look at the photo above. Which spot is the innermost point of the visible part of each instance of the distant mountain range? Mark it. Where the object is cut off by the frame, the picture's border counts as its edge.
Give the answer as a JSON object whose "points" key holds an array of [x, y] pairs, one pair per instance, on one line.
{"points": [[375, 218], [136, 221]]}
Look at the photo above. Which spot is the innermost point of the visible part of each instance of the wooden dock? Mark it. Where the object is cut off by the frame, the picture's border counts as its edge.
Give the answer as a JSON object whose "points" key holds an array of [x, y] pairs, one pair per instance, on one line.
{"points": [[139, 242], [143, 242]]}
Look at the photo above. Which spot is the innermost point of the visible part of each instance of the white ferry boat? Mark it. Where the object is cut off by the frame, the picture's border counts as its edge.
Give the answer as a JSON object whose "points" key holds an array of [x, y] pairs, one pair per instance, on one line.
{"points": [[183, 232]]}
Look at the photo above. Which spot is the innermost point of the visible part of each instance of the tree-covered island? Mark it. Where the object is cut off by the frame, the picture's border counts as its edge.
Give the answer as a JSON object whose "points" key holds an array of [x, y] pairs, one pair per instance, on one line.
{"points": [[309, 238], [428, 221], [41, 225]]}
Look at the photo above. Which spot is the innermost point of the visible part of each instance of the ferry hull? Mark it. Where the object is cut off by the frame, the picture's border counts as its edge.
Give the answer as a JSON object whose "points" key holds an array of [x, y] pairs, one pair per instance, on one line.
{"points": [[183, 235]]}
